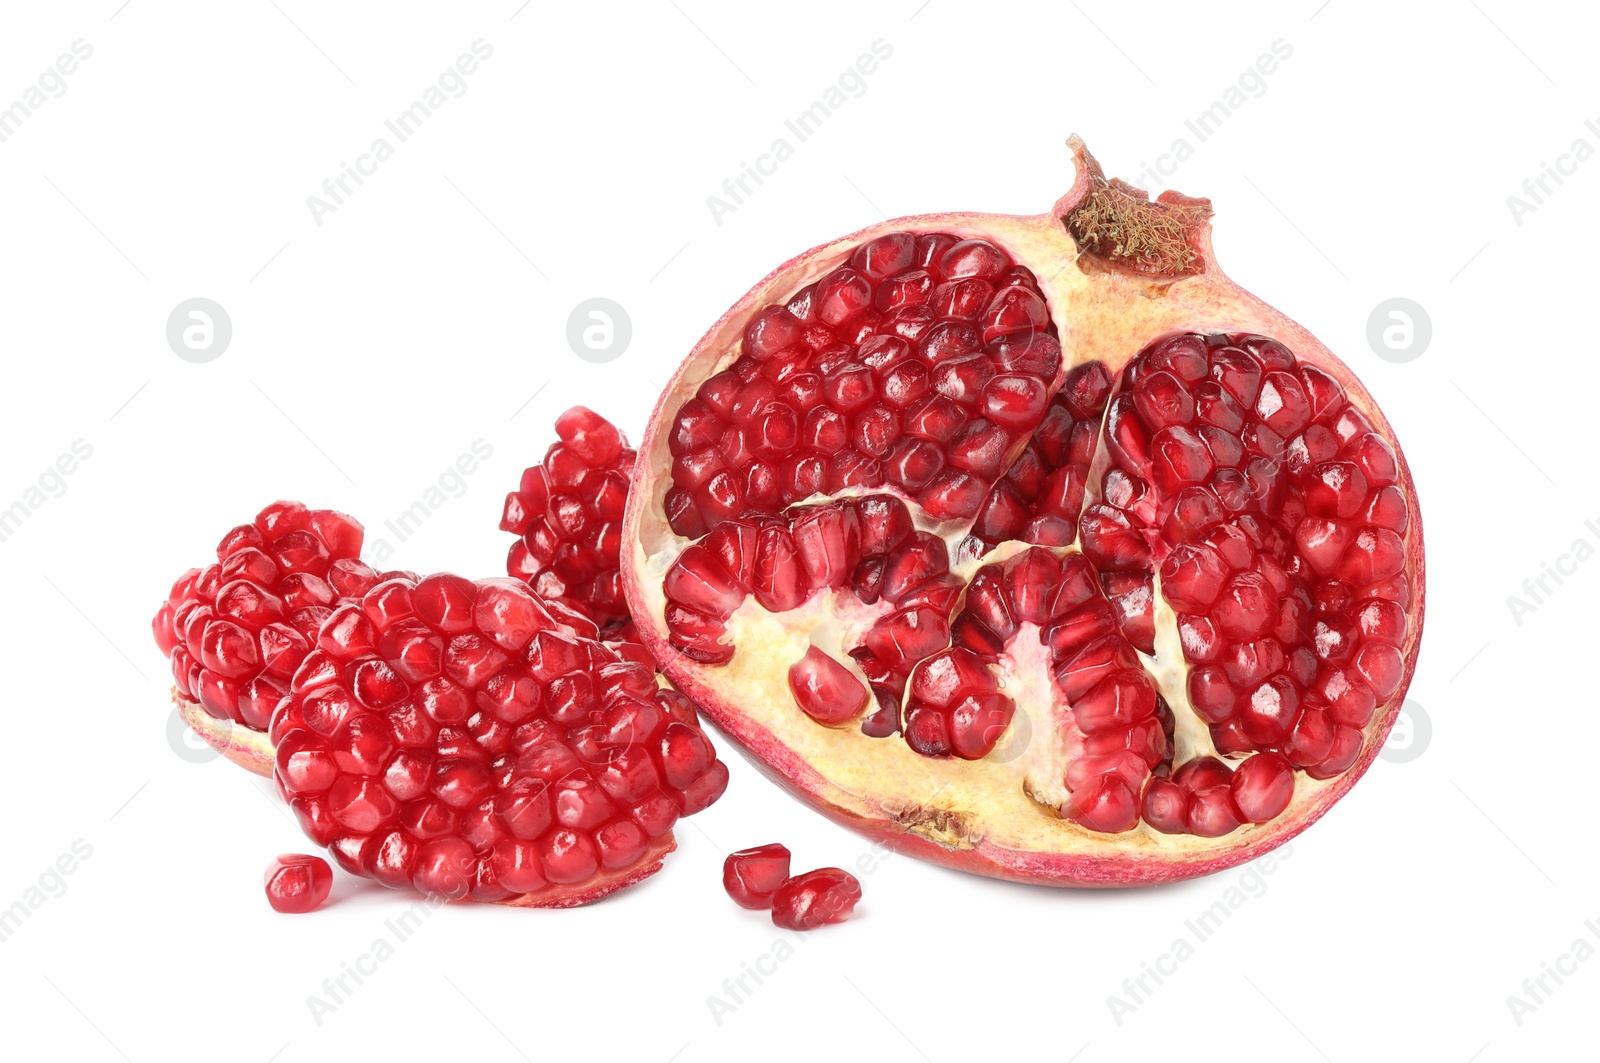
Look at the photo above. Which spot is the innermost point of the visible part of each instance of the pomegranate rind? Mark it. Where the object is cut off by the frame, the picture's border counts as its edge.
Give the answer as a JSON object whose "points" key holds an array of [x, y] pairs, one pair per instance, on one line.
{"points": [[602, 885], [250, 749], [974, 815]]}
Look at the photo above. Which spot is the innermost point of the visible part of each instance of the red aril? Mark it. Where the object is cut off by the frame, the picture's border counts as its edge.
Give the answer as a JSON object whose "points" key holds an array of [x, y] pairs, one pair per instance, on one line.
{"points": [[1032, 545], [297, 883], [816, 898], [752, 876]]}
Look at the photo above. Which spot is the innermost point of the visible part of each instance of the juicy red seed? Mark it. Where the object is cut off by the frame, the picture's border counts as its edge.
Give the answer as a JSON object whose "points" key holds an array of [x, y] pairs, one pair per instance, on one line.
{"points": [[815, 898], [973, 258], [826, 690], [752, 876], [1108, 805], [297, 883], [1166, 807], [841, 295], [977, 723], [1347, 745], [1262, 787], [1212, 813]]}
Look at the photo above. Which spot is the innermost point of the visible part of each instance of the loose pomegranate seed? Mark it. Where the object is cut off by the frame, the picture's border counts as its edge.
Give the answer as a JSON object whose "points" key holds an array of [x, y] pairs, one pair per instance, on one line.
{"points": [[237, 630], [752, 876], [826, 689], [297, 883], [458, 738], [816, 898], [568, 514]]}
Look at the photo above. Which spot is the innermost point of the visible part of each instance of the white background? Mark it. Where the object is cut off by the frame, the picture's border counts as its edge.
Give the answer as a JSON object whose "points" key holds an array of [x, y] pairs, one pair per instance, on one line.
{"points": [[430, 311]]}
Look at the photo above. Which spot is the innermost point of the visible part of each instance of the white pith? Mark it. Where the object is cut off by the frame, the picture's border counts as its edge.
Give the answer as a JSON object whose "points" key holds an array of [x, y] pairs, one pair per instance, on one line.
{"points": [[1039, 723], [1191, 736], [1099, 316]]}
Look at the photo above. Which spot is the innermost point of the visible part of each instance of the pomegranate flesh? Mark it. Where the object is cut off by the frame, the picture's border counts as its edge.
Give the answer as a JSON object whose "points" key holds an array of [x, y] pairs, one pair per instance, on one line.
{"points": [[1032, 545]]}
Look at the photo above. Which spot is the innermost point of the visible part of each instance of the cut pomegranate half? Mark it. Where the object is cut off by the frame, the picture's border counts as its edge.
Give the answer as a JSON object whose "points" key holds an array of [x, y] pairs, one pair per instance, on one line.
{"points": [[1032, 545]]}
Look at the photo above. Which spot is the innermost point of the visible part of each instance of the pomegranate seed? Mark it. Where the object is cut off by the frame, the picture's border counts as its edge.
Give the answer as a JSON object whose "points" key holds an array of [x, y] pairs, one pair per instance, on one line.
{"points": [[974, 258], [297, 883], [1107, 805], [1212, 813], [826, 690], [752, 876], [1166, 807], [1262, 787], [977, 724], [1347, 744], [815, 898]]}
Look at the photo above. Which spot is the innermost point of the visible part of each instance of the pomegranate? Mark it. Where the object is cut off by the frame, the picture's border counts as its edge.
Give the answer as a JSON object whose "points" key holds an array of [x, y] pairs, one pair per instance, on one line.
{"points": [[467, 740], [1032, 545], [236, 630], [567, 513], [297, 883]]}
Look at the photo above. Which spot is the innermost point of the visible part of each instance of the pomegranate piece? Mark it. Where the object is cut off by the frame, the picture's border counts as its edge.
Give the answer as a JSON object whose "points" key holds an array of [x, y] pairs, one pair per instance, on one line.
{"points": [[567, 513], [298, 883], [467, 739], [816, 898], [1032, 577], [918, 400], [236, 630], [752, 876]]}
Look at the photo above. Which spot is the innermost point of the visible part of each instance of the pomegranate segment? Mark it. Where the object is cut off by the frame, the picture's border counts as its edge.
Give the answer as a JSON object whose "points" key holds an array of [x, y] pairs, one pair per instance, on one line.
{"points": [[1033, 545], [921, 364], [235, 631], [458, 738], [567, 513], [1255, 485]]}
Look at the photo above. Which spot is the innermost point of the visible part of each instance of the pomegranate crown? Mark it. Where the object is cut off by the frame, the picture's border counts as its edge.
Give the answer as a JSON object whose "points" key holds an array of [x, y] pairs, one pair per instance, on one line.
{"points": [[1119, 225]]}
